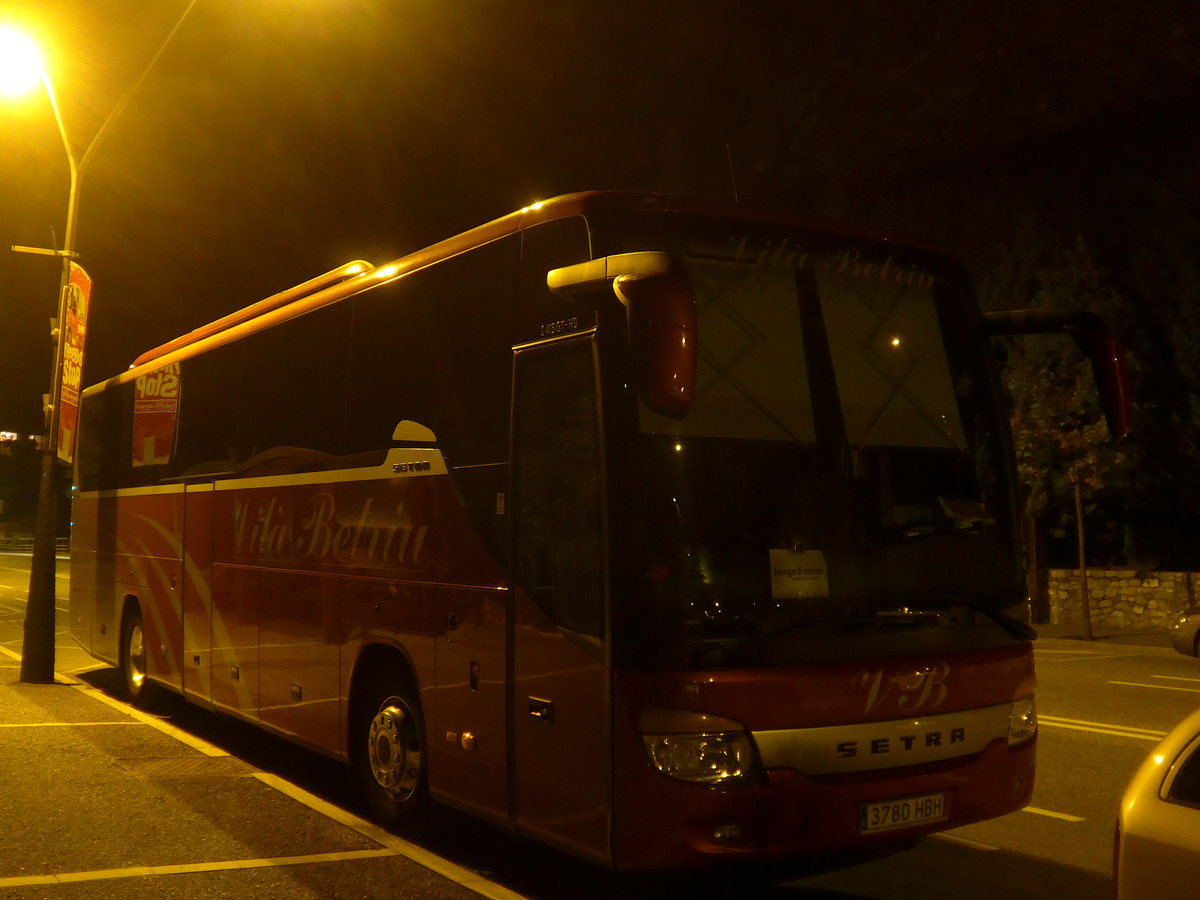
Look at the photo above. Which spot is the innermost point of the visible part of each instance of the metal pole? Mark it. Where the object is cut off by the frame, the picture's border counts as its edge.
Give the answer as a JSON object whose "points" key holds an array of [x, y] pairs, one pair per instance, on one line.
{"points": [[1085, 605], [37, 656]]}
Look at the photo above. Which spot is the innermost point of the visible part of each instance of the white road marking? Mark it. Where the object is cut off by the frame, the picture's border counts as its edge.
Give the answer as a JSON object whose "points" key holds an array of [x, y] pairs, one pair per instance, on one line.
{"points": [[192, 868], [391, 845], [165, 727], [1080, 655], [1159, 687], [966, 842], [61, 724], [1177, 678], [1051, 814], [1141, 734], [442, 866], [1058, 650]]}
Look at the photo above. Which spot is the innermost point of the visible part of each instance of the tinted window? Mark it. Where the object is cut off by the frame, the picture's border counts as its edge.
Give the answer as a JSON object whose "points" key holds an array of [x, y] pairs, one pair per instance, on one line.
{"points": [[1186, 786], [435, 347], [208, 397], [558, 489], [292, 409]]}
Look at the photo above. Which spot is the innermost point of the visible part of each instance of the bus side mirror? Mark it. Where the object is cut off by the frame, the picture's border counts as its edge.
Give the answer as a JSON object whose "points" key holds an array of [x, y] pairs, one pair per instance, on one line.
{"points": [[663, 338], [1103, 349]]}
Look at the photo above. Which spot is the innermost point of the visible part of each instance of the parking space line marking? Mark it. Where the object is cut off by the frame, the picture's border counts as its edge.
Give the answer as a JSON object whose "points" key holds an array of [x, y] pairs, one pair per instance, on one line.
{"points": [[1157, 687], [1037, 811], [394, 846], [61, 724], [1082, 655], [165, 727], [444, 867], [192, 868], [1142, 734], [1177, 678], [1063, 650]]}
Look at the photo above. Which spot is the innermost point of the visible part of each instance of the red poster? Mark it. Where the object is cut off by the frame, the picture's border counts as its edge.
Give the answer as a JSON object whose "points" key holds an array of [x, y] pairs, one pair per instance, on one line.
{"points": [[74, 330], [155, 412]]}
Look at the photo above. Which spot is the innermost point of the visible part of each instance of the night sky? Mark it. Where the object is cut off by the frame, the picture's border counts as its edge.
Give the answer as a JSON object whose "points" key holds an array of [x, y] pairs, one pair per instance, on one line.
{"points": [[276, 139]]}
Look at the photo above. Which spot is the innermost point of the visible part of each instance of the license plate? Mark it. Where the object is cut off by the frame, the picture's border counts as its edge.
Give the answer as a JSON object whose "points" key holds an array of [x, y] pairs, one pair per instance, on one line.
{"points": [[903, 813]]}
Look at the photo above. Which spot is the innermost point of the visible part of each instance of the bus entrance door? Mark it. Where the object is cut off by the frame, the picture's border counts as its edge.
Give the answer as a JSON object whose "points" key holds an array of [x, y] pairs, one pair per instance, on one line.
{"points": [[561, 751]]}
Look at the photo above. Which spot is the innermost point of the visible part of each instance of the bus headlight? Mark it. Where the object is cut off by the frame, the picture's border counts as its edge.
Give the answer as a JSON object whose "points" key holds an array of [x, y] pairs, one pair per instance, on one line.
{"points": [[698, 747], [1022, 720]]}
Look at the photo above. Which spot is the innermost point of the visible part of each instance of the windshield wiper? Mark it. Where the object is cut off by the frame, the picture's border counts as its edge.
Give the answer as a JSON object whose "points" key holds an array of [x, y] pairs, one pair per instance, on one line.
{"points": [[1022, 631]]}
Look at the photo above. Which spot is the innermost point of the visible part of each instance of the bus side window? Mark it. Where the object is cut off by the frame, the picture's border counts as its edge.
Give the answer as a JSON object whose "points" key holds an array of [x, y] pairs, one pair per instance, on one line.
{"points": [[209, 389], [292, 404], [98, 453], [557, 461]]}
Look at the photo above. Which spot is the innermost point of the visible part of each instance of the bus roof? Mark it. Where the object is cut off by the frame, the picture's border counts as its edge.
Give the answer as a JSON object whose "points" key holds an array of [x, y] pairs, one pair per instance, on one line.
{"points": [[355, 276]]}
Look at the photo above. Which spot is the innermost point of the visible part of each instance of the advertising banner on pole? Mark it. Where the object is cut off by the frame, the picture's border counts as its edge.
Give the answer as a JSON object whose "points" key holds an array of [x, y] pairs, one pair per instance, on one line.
{"points": [[72, 332]]}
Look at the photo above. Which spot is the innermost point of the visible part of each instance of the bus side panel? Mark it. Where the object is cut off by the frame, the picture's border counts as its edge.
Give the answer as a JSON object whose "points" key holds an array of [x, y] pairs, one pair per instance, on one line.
{"points": [[235, 639], [288, 551], [469, 720], [162, 620], [562, 789], [85, 574], [197, 593], [298, 655], [398, 615], [139, 551]]}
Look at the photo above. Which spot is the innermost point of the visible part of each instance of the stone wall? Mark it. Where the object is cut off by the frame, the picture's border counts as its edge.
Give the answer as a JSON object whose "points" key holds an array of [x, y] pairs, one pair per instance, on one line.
{"points": [[1121, 598]]}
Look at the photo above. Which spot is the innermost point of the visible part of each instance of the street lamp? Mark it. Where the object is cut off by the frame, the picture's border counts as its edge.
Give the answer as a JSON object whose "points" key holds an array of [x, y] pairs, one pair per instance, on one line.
{"points": [[20, 63], [21, 70]]}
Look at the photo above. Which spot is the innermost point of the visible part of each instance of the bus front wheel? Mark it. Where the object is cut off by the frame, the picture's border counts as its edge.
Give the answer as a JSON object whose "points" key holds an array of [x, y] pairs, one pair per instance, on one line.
{"points": [[391, 753], [133, 657]]}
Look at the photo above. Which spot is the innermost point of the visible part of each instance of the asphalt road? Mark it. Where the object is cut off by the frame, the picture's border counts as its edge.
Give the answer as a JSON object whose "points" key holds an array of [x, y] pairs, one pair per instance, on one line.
{"points": [[1102, 706]]}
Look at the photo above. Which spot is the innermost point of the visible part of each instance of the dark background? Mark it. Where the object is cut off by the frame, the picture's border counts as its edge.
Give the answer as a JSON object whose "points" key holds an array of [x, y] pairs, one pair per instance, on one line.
{"points": [[276, 139]]}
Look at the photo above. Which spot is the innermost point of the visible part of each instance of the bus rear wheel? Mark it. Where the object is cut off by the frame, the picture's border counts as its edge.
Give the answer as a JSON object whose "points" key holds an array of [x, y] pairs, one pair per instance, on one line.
{"points": [[133, 657], [391, 753]]}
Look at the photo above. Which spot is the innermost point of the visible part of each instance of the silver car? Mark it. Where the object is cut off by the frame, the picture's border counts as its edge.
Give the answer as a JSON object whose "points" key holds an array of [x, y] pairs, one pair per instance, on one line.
{"points": [[1184, 632], [1156, 853]]}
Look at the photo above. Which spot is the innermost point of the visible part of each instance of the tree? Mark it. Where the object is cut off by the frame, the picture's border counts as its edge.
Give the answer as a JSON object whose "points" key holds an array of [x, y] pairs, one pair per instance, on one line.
{"points": [[1060, 436]]}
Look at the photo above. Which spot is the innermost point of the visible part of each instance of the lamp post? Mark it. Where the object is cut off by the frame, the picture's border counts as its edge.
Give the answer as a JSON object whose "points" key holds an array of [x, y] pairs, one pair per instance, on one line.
{"points": [[22, 70], [37, 659]]}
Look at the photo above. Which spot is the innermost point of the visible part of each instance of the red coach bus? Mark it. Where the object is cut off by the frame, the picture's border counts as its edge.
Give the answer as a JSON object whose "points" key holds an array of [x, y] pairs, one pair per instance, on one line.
{"points": [[661, 531]]}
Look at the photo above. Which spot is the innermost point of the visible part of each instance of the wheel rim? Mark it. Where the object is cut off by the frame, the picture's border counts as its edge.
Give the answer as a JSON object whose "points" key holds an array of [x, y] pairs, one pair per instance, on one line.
{"points": [[394, 750], [135, 653]]}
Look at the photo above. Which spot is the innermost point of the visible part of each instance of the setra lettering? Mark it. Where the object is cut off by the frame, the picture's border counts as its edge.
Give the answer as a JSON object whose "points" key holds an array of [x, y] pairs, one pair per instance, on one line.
{"points": [[882, 746]]}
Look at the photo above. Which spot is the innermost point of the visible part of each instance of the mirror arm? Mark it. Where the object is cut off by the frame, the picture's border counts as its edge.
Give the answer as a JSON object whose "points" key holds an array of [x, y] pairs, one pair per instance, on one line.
{"points": [[1102, 347]]}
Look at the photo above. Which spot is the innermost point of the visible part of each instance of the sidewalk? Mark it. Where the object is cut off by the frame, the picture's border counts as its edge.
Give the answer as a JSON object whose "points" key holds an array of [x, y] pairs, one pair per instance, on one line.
{"points": [[1127, 636], [102, 801]]}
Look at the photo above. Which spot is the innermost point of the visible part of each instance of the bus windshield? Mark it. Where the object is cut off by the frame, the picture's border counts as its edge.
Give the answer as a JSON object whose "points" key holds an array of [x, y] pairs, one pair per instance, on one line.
{"points": [[841, 468]]}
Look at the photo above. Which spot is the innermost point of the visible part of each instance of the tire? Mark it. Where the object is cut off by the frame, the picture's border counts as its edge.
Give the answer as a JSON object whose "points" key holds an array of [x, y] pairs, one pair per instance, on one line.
{"points": [[390, 752], [133, 657]]}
